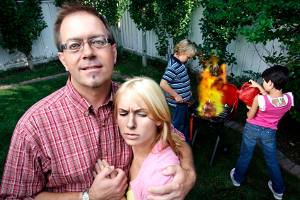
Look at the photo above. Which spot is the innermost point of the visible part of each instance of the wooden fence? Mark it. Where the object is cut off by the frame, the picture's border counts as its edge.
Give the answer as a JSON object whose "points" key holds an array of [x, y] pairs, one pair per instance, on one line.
{"points": [[130, 38]]}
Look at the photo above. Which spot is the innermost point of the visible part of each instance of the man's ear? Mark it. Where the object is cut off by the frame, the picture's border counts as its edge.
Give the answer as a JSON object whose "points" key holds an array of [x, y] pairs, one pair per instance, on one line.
{"points": [[115, 52], [61, 57]]}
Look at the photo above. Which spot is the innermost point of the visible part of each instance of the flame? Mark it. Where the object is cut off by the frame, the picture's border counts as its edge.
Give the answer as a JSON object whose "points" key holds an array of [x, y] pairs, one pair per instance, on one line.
{"points": [[210, 89]]}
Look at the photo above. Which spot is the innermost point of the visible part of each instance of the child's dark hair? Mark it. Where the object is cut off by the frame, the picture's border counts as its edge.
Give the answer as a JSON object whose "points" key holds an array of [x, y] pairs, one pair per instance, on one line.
{"points": [[278, 74]]}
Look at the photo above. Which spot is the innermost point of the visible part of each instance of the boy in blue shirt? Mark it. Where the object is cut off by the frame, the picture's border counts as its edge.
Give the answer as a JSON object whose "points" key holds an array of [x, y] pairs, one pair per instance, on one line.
{"points": [[176, 84]]}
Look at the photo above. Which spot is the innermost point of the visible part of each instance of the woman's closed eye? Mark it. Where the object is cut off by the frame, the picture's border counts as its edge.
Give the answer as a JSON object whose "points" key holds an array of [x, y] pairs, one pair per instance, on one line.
{"points": [[142, 114], [123, 112]]}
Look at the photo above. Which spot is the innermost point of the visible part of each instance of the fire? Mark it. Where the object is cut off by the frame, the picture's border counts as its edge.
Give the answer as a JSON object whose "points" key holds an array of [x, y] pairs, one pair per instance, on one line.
{"points": [[210, 89]]}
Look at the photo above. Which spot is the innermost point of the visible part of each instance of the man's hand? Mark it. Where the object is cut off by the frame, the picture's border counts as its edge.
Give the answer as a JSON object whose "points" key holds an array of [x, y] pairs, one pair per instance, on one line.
{"points": [[177, 189], [178, 98], [109, 183]]}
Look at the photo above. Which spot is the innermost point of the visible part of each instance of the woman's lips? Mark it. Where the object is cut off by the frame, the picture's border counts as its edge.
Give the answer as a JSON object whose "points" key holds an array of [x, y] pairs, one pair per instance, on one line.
{"points": [[131, 135]]}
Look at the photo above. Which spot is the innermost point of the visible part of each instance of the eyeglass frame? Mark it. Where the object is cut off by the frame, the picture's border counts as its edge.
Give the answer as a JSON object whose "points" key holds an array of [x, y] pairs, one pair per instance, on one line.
{"points": [[63, 47]]}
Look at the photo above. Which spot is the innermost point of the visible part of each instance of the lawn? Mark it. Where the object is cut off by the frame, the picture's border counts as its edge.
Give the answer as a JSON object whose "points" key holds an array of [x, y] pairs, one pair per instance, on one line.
{"points": [[213, 182]]}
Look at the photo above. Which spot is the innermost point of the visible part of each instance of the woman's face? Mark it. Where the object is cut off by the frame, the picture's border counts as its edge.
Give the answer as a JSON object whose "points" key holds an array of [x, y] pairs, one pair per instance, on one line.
{"points": [[134, 120]]}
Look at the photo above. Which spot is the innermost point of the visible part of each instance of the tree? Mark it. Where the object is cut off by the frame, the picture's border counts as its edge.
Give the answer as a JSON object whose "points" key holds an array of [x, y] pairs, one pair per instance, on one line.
{"points": [[21, 23], [167, 18], [8, 23], [111, 9]]}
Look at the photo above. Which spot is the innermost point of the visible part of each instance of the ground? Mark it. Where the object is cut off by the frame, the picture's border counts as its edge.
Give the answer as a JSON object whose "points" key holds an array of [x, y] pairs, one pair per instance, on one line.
{"points": [[289, 138]]}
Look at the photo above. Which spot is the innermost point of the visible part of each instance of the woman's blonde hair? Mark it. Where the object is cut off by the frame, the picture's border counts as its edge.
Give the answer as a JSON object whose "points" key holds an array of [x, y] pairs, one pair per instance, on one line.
{"points": [[151, 94]]}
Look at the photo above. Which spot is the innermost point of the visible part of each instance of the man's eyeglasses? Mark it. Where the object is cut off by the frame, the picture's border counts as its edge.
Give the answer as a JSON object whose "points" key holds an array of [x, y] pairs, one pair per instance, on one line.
{"points": [[75, 45]]}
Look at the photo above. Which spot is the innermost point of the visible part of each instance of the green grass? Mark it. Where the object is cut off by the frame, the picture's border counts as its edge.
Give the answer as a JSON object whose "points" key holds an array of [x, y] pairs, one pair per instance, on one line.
{"points": [[132, 65], [213, 182], [23, 74]]}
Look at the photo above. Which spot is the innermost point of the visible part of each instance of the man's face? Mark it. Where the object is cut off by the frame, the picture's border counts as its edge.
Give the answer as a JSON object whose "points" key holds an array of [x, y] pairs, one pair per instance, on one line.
{"points": [[183, 57], [89, 67]]}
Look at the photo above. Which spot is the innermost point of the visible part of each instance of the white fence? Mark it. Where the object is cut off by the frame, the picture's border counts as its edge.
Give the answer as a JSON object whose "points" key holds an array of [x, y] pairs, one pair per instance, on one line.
{"points": [[43, 49], [129, 37]]}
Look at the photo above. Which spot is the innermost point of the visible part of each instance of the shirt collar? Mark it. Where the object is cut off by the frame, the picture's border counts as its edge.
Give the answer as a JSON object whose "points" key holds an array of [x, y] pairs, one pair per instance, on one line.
{"points": [[175, 59], [81, 103]]}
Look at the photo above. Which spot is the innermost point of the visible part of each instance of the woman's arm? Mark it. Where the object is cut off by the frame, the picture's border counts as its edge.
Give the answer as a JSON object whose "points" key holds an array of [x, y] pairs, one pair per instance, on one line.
{"points": [[252, 111], [258, 86]]}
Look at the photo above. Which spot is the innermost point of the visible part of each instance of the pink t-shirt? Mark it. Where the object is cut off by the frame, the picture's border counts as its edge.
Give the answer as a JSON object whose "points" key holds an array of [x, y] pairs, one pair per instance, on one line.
{"points": [[150, 173], [268, 115]]}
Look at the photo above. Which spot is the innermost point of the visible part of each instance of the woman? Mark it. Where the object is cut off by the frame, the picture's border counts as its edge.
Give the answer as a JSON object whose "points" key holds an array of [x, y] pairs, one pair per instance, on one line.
{"points": [[145, 124]]}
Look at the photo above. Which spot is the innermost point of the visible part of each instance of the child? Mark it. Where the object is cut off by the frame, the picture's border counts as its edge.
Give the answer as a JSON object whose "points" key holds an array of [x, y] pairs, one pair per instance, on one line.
{"points": [[176, 83], [263, 116], [145, 124]]}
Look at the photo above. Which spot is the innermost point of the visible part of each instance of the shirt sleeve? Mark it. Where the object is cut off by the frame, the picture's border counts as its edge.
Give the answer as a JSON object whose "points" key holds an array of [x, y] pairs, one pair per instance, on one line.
{"points": [[261, 102], [22, 177], [170, 73], [153, 175]]}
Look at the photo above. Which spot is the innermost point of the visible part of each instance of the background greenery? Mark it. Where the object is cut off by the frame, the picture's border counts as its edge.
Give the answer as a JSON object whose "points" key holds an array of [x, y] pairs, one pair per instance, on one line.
{"points": [[21, 22], [259, 21], [213, 182]]}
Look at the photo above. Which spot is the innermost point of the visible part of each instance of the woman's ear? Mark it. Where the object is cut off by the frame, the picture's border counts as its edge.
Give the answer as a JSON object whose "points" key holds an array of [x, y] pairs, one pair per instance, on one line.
{"points": [[271, 84], [158, 123]]}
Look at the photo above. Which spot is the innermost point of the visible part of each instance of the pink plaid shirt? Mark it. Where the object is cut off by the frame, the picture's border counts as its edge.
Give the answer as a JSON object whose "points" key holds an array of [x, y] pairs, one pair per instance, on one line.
{"points": [[56, 143]]}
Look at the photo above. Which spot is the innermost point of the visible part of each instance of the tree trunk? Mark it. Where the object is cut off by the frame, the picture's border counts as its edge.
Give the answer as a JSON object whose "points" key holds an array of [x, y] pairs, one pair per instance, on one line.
{"points": [[144, 48]]}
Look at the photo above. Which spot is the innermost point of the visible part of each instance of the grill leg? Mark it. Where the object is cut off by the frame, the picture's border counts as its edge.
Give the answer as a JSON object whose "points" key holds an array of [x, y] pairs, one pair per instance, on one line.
{"points": [[214, 152], [194, 136]]}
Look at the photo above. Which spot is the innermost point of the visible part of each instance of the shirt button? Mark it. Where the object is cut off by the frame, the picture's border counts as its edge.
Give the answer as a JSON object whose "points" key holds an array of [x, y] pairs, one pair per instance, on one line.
{"points": [[86, 113]]}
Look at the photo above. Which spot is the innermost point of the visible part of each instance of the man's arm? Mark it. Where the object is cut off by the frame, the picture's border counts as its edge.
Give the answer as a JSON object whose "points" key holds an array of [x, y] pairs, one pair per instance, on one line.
{"points": [[104, 186], [184, 178], [166, 87], [59, 196]]}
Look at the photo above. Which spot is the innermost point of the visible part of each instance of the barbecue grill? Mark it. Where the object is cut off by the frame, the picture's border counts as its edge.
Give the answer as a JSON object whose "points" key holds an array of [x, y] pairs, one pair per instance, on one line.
{"points": [[230, 102]]}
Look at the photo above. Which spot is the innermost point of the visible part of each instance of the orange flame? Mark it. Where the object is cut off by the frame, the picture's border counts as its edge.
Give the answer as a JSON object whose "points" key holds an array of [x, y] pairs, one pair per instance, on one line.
{"points": [[210, 89]]}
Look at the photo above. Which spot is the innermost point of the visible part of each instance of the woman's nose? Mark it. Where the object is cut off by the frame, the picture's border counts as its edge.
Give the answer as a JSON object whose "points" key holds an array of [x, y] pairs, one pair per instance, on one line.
{"points": [[131, 121]]}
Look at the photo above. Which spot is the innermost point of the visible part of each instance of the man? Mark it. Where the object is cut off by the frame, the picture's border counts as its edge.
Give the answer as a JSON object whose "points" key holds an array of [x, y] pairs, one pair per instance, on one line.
{"points": [[57, 142], [176, 84]]}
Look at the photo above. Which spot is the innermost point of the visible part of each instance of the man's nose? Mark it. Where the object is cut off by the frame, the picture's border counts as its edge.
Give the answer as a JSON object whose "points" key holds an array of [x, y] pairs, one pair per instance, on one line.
{"points": [[87, 50]]}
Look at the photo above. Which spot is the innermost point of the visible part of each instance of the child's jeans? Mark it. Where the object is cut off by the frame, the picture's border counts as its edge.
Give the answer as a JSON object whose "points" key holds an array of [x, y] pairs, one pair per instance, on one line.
{"points": [[180, 119], [267, 138]]}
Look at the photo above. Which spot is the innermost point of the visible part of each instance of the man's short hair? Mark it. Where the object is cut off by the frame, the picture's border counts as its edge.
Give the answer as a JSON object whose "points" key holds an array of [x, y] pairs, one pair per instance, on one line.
{"points": [[185, 46], [73, 7]]}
